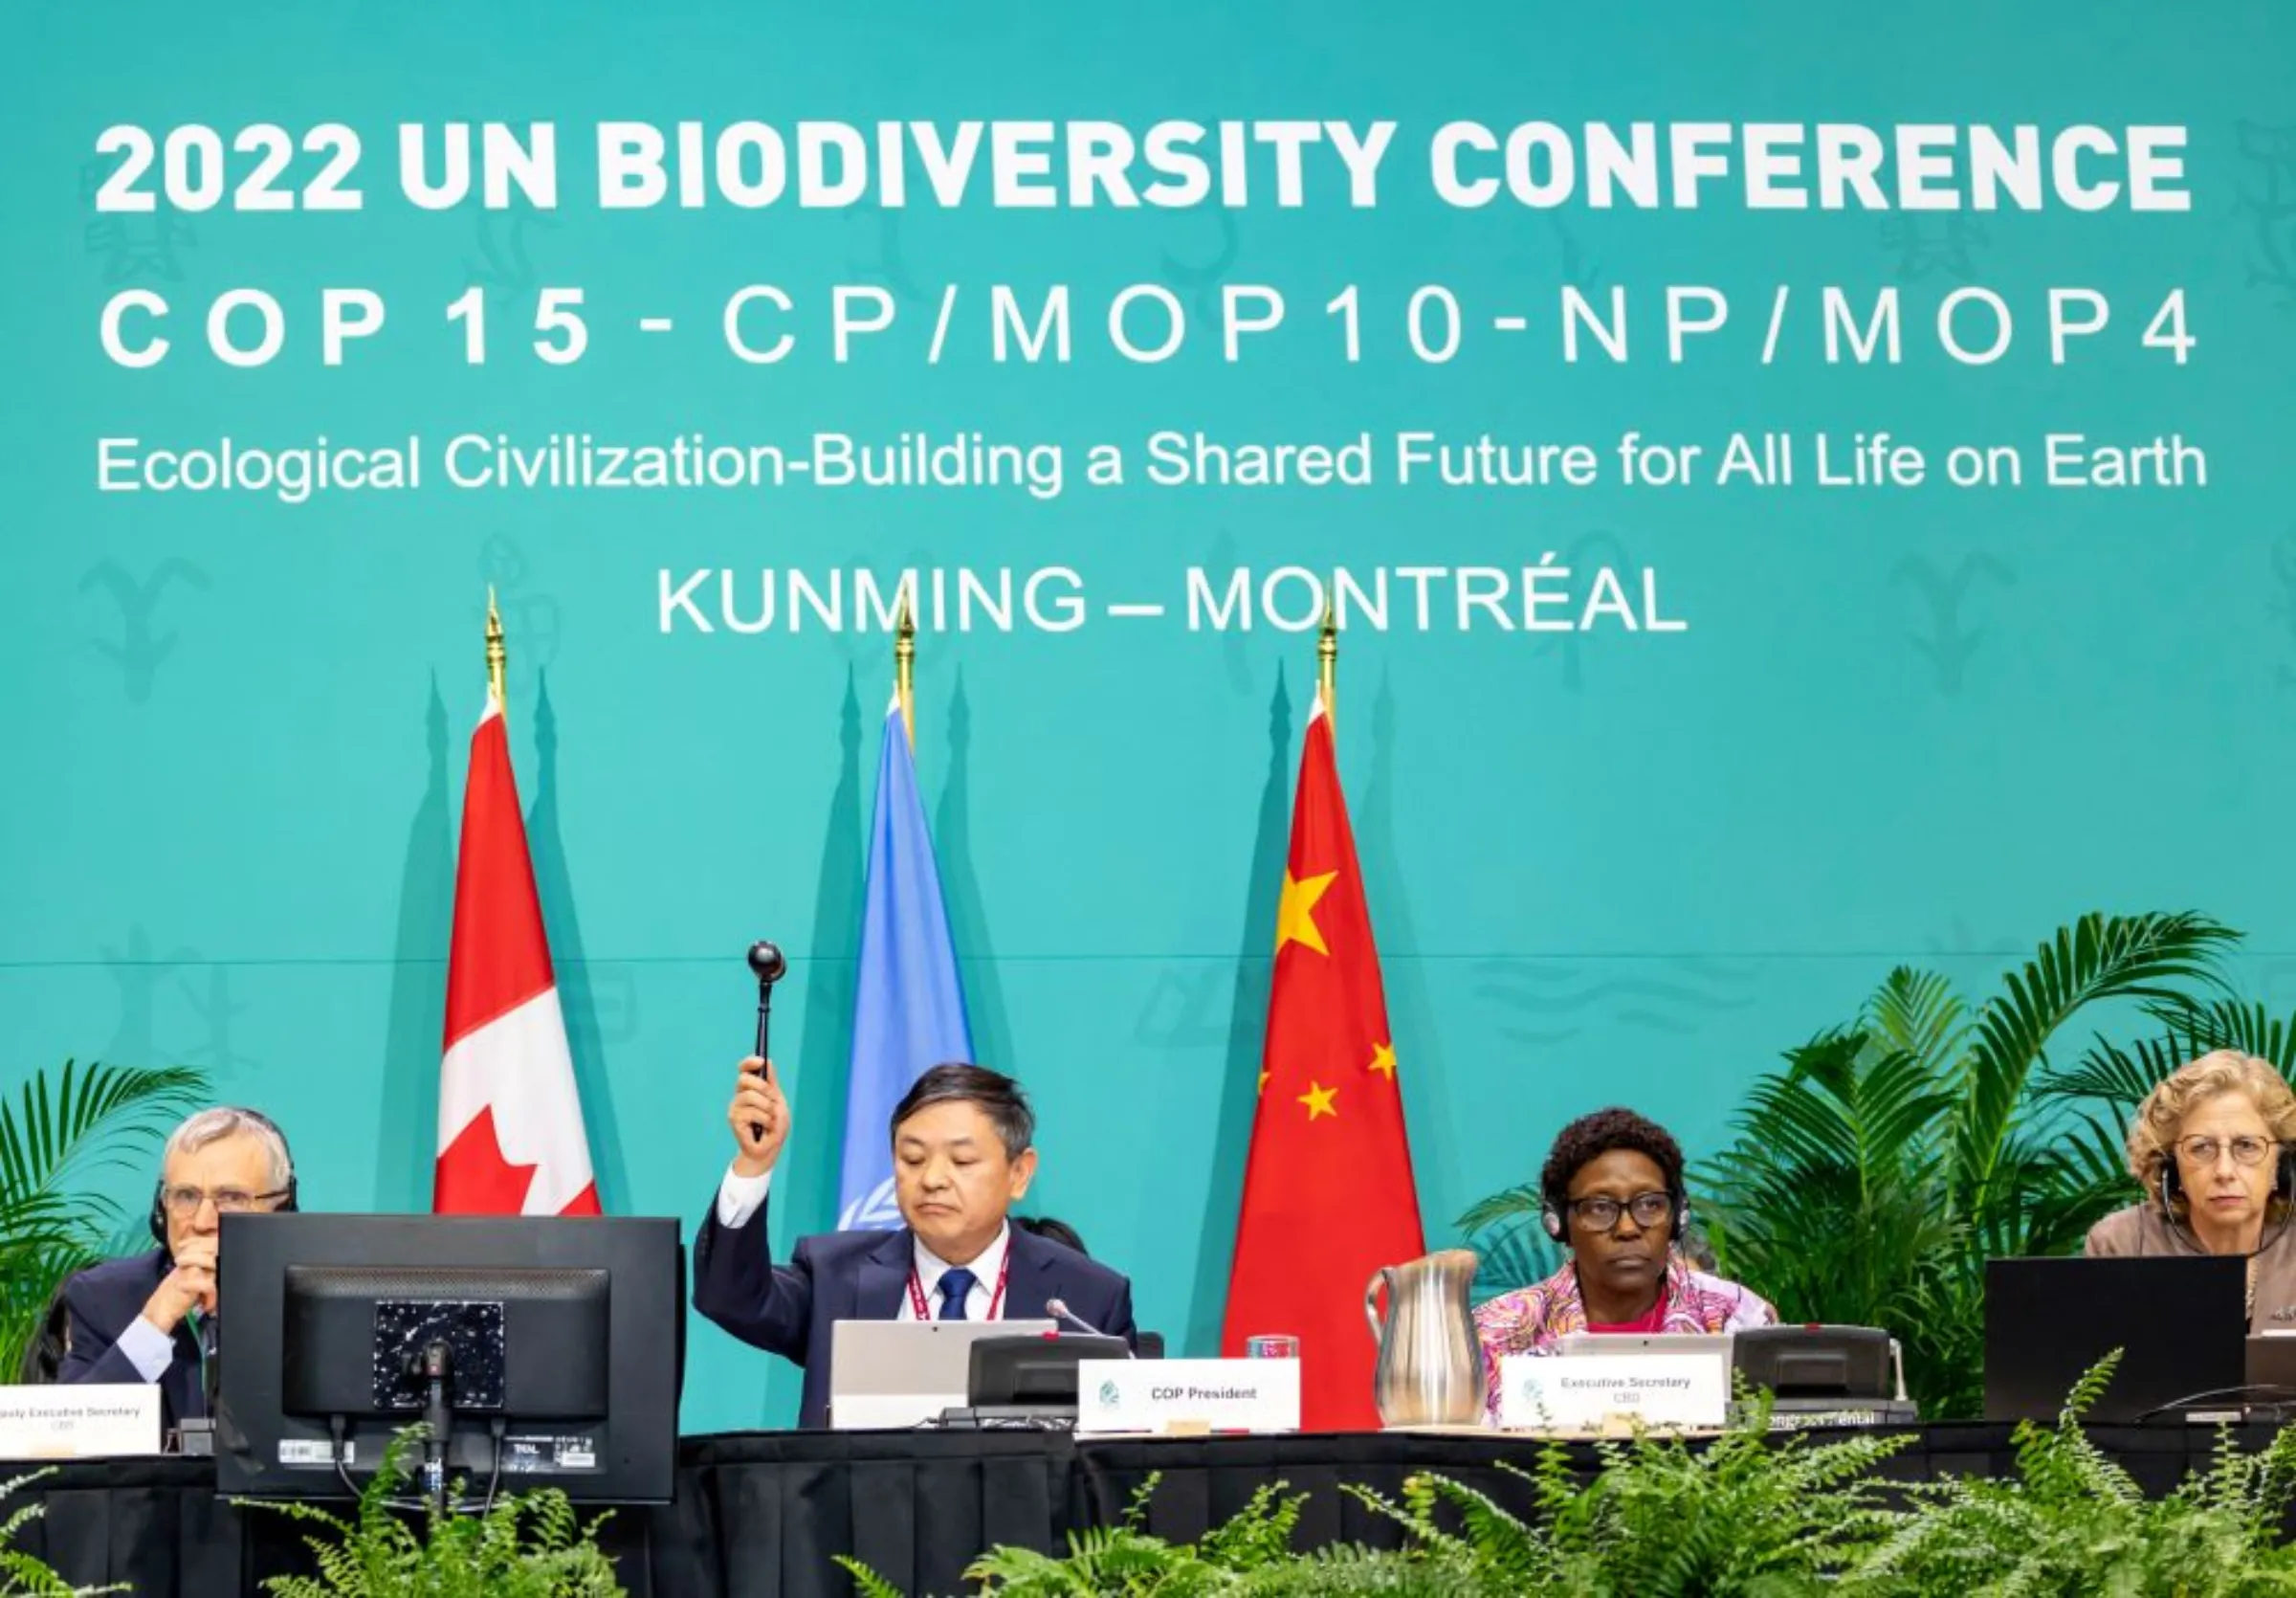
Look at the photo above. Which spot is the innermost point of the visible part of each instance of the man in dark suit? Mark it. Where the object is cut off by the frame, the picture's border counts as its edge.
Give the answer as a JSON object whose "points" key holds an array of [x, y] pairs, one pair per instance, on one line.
{"points": [[152, 1316], [962, 1155]]}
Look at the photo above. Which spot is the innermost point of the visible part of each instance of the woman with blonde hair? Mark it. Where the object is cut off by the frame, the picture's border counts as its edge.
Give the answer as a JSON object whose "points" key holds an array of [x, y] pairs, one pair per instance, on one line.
{"points": [[2213, 1146]]}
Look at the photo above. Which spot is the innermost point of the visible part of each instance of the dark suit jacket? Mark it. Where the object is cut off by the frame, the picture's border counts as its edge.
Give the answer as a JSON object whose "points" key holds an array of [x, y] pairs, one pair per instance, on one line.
{"points": [[100, 1302], [861, 1276]]}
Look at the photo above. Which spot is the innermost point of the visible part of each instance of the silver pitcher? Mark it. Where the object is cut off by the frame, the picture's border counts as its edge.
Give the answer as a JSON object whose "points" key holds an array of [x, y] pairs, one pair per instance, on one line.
{"points": [[1431, 1370]]}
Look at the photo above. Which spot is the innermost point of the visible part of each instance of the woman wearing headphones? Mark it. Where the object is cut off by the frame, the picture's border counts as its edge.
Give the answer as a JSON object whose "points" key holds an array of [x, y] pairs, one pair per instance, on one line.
{"points": [[2215, 1148], [1613, 1189]]}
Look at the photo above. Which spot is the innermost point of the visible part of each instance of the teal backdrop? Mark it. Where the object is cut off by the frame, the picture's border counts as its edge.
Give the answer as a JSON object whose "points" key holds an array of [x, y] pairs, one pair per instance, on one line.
{"points": [[1916, 724]]}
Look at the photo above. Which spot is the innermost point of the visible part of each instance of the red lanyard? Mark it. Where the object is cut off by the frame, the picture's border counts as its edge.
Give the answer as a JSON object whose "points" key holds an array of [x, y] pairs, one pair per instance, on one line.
{"points": [[996, 1300]]}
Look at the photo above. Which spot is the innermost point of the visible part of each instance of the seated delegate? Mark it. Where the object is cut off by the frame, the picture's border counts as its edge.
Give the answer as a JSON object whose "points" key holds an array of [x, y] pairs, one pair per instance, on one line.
{"points": [[964, 1153], [2214, 1147], [1614, 1196], [152, 1316]]}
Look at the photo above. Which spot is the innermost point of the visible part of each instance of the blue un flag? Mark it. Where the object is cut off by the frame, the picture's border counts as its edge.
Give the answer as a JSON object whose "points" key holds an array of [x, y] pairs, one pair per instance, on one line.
{"points": [[908, 1004]]}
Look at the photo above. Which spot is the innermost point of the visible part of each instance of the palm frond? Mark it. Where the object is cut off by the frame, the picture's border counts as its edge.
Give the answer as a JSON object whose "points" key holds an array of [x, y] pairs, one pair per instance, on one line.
{"points": [[2093, 1157], [1514, 1256], [2154, 956], [2196, 1029], [1506, 1205], [84, 1119], [1828, 1201], [2116, 1077], [1918, 1014]]}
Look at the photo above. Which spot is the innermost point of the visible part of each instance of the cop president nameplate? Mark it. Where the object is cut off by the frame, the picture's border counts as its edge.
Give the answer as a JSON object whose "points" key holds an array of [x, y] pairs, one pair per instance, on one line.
{"points": [[1186, 1396], [1604, 1392], [90, 1421]]}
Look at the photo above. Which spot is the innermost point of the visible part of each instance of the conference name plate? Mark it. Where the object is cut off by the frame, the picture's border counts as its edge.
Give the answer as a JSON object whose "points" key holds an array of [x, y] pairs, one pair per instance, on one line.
{"points": [[1117, 1396], [92, 1421], [1597, 1392]]}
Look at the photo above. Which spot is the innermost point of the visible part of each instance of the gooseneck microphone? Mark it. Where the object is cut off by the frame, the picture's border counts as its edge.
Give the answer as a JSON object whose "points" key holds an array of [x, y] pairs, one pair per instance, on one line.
{"points": [[1058, 1309], [767, 964]]}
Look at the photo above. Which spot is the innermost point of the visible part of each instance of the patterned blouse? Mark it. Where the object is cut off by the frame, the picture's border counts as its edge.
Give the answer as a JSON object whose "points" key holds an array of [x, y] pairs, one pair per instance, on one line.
{"points": [[1533, 1320]]}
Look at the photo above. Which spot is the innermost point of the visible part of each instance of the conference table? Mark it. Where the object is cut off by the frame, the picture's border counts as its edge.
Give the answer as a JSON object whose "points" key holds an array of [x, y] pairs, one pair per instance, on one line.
{"points": [[761, 1515]]}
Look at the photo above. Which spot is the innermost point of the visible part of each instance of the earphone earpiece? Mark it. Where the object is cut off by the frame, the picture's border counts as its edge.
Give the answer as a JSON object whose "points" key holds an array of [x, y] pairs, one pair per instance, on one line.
{"points": [[1552, 1218]]}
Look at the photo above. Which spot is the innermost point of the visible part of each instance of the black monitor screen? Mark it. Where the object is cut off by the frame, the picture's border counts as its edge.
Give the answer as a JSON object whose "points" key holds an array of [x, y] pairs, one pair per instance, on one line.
{"points": [[558, 1344]]}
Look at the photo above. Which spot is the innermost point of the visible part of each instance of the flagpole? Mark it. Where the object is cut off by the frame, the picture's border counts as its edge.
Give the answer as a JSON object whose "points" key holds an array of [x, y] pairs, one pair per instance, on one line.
{"points": [[904, 667], [497, 656], [1327, 663]]}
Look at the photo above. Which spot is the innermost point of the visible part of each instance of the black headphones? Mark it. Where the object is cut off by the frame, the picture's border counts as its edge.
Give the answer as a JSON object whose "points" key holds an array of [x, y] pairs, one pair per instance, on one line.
{"points": [[2172, 1184], [159, 1189], [1550, 1214]]}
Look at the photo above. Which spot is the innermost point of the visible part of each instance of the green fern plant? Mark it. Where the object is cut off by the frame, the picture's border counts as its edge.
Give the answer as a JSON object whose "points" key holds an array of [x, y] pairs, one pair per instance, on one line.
{"points": [[22, 1576], [522, 1545], [1247, 1556], [1746, 1515], [58, 1135], [2071, 1520], [1126, 1559]]}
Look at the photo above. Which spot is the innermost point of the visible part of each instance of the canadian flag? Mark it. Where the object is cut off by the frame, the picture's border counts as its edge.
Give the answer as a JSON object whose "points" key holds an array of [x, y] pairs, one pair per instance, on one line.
{"points": [[510, 1133]]}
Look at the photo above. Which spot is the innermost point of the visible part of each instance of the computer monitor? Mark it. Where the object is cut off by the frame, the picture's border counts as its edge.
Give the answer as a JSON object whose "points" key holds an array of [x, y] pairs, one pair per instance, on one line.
{"points": [[2181, 1321], [557, 1346]]}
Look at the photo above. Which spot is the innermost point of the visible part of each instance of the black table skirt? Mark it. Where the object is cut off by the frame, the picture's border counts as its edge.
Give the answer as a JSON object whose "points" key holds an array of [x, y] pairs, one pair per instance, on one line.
{"points": [[760, 1514]]}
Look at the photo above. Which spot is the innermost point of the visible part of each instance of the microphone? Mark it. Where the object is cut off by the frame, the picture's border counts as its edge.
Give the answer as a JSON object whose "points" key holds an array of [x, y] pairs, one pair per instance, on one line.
{"points": [[766, 963], [1058, 1309]]}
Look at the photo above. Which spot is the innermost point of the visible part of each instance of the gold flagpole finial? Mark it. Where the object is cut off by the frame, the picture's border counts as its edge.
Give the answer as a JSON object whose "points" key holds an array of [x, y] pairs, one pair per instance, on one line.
{"points": [[904, 667], [497, 656], [1327, 660]]}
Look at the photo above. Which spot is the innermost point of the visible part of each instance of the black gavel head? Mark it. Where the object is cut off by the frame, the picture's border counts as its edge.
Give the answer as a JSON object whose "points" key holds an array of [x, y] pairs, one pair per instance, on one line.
{"points": [[766, 962]]}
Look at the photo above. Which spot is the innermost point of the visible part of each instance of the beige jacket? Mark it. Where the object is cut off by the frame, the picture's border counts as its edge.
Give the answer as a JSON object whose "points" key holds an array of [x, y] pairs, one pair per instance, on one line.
{"points": [[2139, 1232]]}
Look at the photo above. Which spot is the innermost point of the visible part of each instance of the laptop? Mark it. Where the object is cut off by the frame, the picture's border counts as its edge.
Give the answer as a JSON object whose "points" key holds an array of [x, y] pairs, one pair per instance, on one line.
{"points": [[888, 1375], [2181, 1321]]}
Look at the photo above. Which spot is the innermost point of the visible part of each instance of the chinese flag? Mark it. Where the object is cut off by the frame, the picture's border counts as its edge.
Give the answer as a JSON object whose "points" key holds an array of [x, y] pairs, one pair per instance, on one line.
{"points": [[510, 1133], [1327, 1195]]}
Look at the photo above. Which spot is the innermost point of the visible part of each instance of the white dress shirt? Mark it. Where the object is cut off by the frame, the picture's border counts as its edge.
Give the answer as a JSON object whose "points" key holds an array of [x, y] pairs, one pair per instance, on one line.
{"points": [[740, 1197], [150, 1350], [931, 1267]]}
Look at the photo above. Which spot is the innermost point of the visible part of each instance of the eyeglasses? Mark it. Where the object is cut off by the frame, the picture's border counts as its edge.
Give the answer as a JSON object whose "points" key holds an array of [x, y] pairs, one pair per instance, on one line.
{"points": [[185, 1202], [1601, 1214], [2247, 1149]]}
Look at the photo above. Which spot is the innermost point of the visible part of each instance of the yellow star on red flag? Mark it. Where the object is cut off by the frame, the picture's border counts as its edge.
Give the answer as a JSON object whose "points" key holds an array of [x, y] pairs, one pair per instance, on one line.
{"points": [[1383, 1059], [1318, 1101], [1296, 917]]}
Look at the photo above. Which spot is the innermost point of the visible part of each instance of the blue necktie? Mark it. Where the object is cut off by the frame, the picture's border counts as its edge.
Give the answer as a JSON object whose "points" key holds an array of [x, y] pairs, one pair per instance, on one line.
{"points": [[955, 1286]]}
